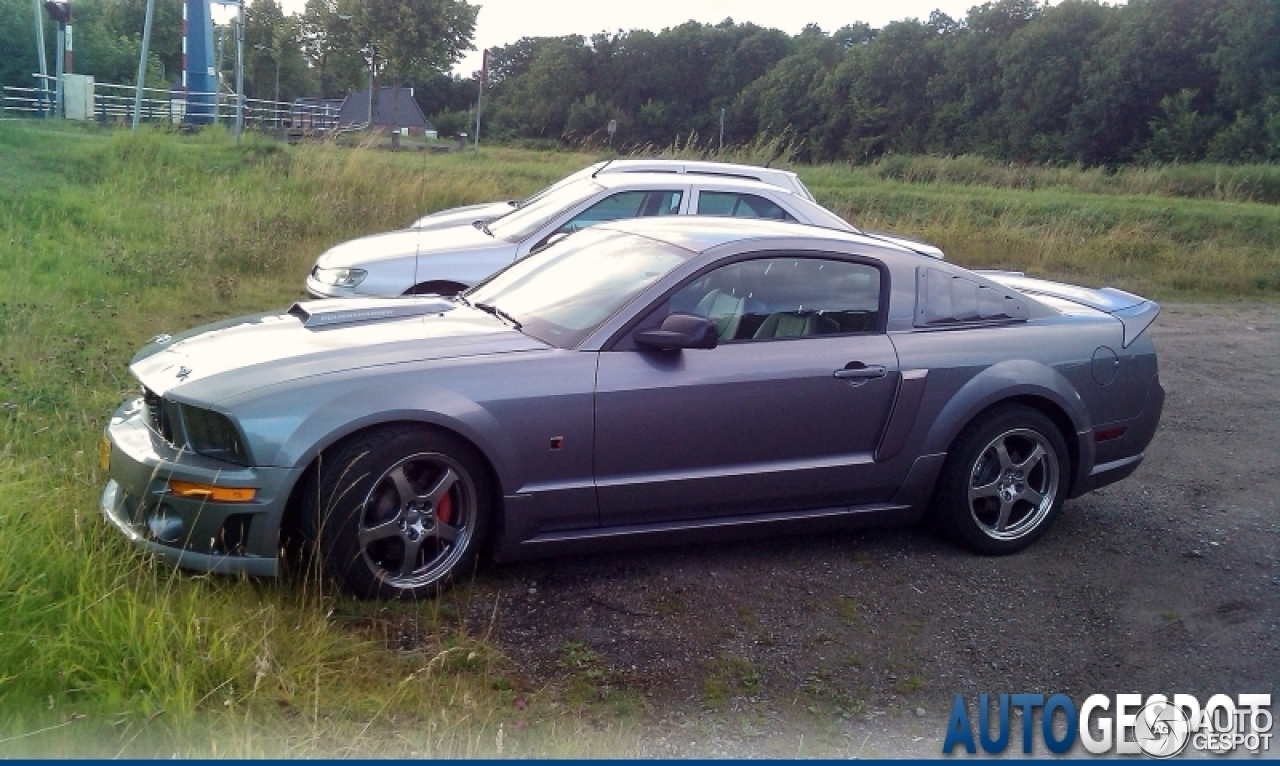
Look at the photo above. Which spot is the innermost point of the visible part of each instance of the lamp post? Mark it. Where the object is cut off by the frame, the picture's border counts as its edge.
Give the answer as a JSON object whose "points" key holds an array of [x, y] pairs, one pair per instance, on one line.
{"points": [[373, 62], [275, 107]]}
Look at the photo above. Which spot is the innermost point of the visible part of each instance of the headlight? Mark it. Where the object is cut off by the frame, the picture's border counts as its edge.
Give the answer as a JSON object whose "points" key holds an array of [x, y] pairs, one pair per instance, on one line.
{"points": [[339, 277], [212, 434]]}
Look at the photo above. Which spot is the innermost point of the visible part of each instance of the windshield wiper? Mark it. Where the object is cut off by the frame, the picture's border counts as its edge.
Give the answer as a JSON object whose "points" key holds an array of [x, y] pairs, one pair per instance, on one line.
{"points": [[482, 226], [492, 309]]}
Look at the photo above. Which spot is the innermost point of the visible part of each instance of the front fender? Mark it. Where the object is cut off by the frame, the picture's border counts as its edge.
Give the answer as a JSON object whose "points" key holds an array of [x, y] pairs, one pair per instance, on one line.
{"points": [[333, 414], [388, 276]]}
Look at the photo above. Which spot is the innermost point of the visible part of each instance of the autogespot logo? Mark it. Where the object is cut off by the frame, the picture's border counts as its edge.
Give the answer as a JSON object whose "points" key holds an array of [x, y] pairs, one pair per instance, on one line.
{"points": [[1162, 729], [1158, 726]]}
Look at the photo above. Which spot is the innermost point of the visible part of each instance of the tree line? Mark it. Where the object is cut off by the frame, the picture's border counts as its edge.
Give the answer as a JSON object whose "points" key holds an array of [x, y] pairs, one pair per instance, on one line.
{"points": [[1075, 82]]}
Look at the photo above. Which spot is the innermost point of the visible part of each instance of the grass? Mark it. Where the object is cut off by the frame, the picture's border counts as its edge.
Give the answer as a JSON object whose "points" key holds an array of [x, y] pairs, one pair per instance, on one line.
{"points": [[1232, 183], [727, 677], [107, 239]]}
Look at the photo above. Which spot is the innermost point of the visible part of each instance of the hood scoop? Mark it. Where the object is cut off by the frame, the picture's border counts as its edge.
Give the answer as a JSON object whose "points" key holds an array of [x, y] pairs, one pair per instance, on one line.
{"points": [[317, 314]]}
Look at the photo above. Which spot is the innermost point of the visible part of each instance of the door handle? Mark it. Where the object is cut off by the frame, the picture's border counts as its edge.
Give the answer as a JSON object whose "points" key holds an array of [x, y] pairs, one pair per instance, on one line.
{"points": [[860, 371]]}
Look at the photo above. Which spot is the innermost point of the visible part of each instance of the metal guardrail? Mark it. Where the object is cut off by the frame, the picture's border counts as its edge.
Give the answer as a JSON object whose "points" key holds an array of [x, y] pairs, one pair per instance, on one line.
{"points": [[114, 103]]}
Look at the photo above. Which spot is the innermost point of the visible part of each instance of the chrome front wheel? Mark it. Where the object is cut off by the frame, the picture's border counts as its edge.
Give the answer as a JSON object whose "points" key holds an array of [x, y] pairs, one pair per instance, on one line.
{"points": [[416, 522], [400, 512]]}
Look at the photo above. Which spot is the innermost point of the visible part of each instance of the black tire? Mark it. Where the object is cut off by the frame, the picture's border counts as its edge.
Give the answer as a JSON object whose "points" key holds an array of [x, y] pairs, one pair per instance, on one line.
{"points": [[1004, 481], [373, 541], [443, 289]]}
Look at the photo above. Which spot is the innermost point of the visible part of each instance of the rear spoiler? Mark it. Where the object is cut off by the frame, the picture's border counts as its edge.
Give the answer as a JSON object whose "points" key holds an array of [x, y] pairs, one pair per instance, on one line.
{"points": [[910, 243], [1134, 312]]}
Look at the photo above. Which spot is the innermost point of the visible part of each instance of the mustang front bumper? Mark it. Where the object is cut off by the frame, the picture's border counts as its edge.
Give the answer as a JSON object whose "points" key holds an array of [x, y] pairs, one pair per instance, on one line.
{"points": [[191, 532]]}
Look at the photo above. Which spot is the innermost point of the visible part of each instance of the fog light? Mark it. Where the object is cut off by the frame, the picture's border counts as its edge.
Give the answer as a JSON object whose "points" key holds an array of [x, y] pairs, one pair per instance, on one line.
{"points": [[165, 527], [209, 492]]}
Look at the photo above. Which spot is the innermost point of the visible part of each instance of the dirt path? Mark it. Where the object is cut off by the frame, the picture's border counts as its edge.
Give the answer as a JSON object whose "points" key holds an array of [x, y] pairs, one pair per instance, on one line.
{"points": [[856, 644]]}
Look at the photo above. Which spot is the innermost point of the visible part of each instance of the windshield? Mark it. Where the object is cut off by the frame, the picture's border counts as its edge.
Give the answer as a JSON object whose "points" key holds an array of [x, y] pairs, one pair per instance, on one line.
{"points": [[562, 294], [804, 191], [517, 225], [587, 171]]}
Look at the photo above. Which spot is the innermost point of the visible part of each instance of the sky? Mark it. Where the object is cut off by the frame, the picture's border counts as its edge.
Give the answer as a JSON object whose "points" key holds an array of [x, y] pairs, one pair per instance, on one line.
{"points": [[502, 22]]}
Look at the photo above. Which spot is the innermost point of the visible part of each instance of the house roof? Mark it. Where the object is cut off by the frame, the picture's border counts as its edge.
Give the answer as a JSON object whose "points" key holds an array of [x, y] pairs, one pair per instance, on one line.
{"points": [[355, 109]]}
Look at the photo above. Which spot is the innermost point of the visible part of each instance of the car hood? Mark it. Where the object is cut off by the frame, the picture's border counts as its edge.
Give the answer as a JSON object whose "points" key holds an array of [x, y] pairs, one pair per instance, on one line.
{"points": [[407, 243], [208, 364], [463, 216]]}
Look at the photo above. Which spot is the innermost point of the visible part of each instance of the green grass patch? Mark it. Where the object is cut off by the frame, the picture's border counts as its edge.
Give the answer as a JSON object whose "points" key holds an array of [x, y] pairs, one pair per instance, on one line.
{"points": [[728, 677]]}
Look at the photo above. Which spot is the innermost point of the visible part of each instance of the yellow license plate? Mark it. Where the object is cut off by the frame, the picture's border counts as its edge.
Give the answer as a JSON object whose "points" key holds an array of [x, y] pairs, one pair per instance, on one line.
{"points": [[104, 454]]}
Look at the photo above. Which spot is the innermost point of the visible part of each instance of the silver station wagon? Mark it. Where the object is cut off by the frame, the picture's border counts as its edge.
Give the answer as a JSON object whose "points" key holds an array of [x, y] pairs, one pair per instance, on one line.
{"points": [[487, 211], [655, 380], [448, 260]]}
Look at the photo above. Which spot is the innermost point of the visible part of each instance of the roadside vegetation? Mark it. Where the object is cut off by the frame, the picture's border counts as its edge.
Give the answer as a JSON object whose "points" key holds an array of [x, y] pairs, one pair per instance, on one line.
{"points": [[107, 239]]}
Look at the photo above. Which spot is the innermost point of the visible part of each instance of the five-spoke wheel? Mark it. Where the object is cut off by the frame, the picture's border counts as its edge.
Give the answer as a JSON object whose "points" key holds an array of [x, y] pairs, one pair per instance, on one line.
{"points": [[1004, 480], [400, 512]]}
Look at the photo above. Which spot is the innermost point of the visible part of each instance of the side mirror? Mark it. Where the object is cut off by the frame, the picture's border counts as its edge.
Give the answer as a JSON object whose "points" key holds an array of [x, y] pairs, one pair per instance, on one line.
{"points": [[680, 331]]}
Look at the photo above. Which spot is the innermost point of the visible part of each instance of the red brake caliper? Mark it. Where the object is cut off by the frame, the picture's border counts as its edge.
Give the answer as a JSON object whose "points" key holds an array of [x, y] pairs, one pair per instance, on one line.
{"points": [[444, 511]]}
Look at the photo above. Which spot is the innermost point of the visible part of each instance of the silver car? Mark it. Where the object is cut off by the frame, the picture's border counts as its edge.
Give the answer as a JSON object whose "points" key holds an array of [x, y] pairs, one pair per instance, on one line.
{"points": [[487, 211], [649, 380], [446, 261]]}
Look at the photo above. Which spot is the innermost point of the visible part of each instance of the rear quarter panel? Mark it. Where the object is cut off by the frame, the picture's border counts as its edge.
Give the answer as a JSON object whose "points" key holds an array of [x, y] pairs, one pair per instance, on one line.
{"points": [[1047, 358]]}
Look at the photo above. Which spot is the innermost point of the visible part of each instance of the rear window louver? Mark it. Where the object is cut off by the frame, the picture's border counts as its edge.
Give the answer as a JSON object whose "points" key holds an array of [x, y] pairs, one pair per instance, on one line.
{"points": [[943, 299]]}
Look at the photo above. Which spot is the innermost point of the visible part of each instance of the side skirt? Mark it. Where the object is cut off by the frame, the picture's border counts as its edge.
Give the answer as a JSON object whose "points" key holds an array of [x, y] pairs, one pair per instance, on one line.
{"points": [[709, 530]]}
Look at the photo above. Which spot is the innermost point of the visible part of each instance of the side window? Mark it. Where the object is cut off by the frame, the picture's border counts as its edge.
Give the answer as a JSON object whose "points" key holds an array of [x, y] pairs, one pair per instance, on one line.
{"points": [[632, 204], [785, 297], [739, 205]]}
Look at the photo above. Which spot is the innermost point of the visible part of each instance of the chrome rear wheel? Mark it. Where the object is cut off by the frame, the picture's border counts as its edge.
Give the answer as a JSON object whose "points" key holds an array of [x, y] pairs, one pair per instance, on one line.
{"points": [[1004, 481], [1013, 484]]}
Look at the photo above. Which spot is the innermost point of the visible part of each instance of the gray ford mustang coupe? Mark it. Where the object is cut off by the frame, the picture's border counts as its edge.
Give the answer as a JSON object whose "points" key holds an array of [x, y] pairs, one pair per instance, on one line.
{"points": [[649, 380]]}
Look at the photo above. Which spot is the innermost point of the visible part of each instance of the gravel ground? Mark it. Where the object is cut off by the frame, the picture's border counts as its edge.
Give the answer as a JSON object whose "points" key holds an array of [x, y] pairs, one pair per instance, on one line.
{"points": [[855, 644]]}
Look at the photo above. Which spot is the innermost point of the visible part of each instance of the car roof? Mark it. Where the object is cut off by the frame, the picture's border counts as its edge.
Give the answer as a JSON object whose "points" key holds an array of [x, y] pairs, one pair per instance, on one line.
{"points": [[783, 179], [656, 180], [709, 167], [701, 233]]}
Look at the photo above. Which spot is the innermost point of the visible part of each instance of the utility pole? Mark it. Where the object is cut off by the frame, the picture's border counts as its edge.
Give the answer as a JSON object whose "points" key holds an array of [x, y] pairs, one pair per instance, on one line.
{"points": [[484, 78], [57, 71], [373, 62], [67, 51], [142, 63], [61, 13], [239, 72], [721, 130], [44, 64]]}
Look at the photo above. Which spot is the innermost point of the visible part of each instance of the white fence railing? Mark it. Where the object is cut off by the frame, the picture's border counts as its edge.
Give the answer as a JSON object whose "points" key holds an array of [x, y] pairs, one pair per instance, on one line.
{"points": [[108, 102]]}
